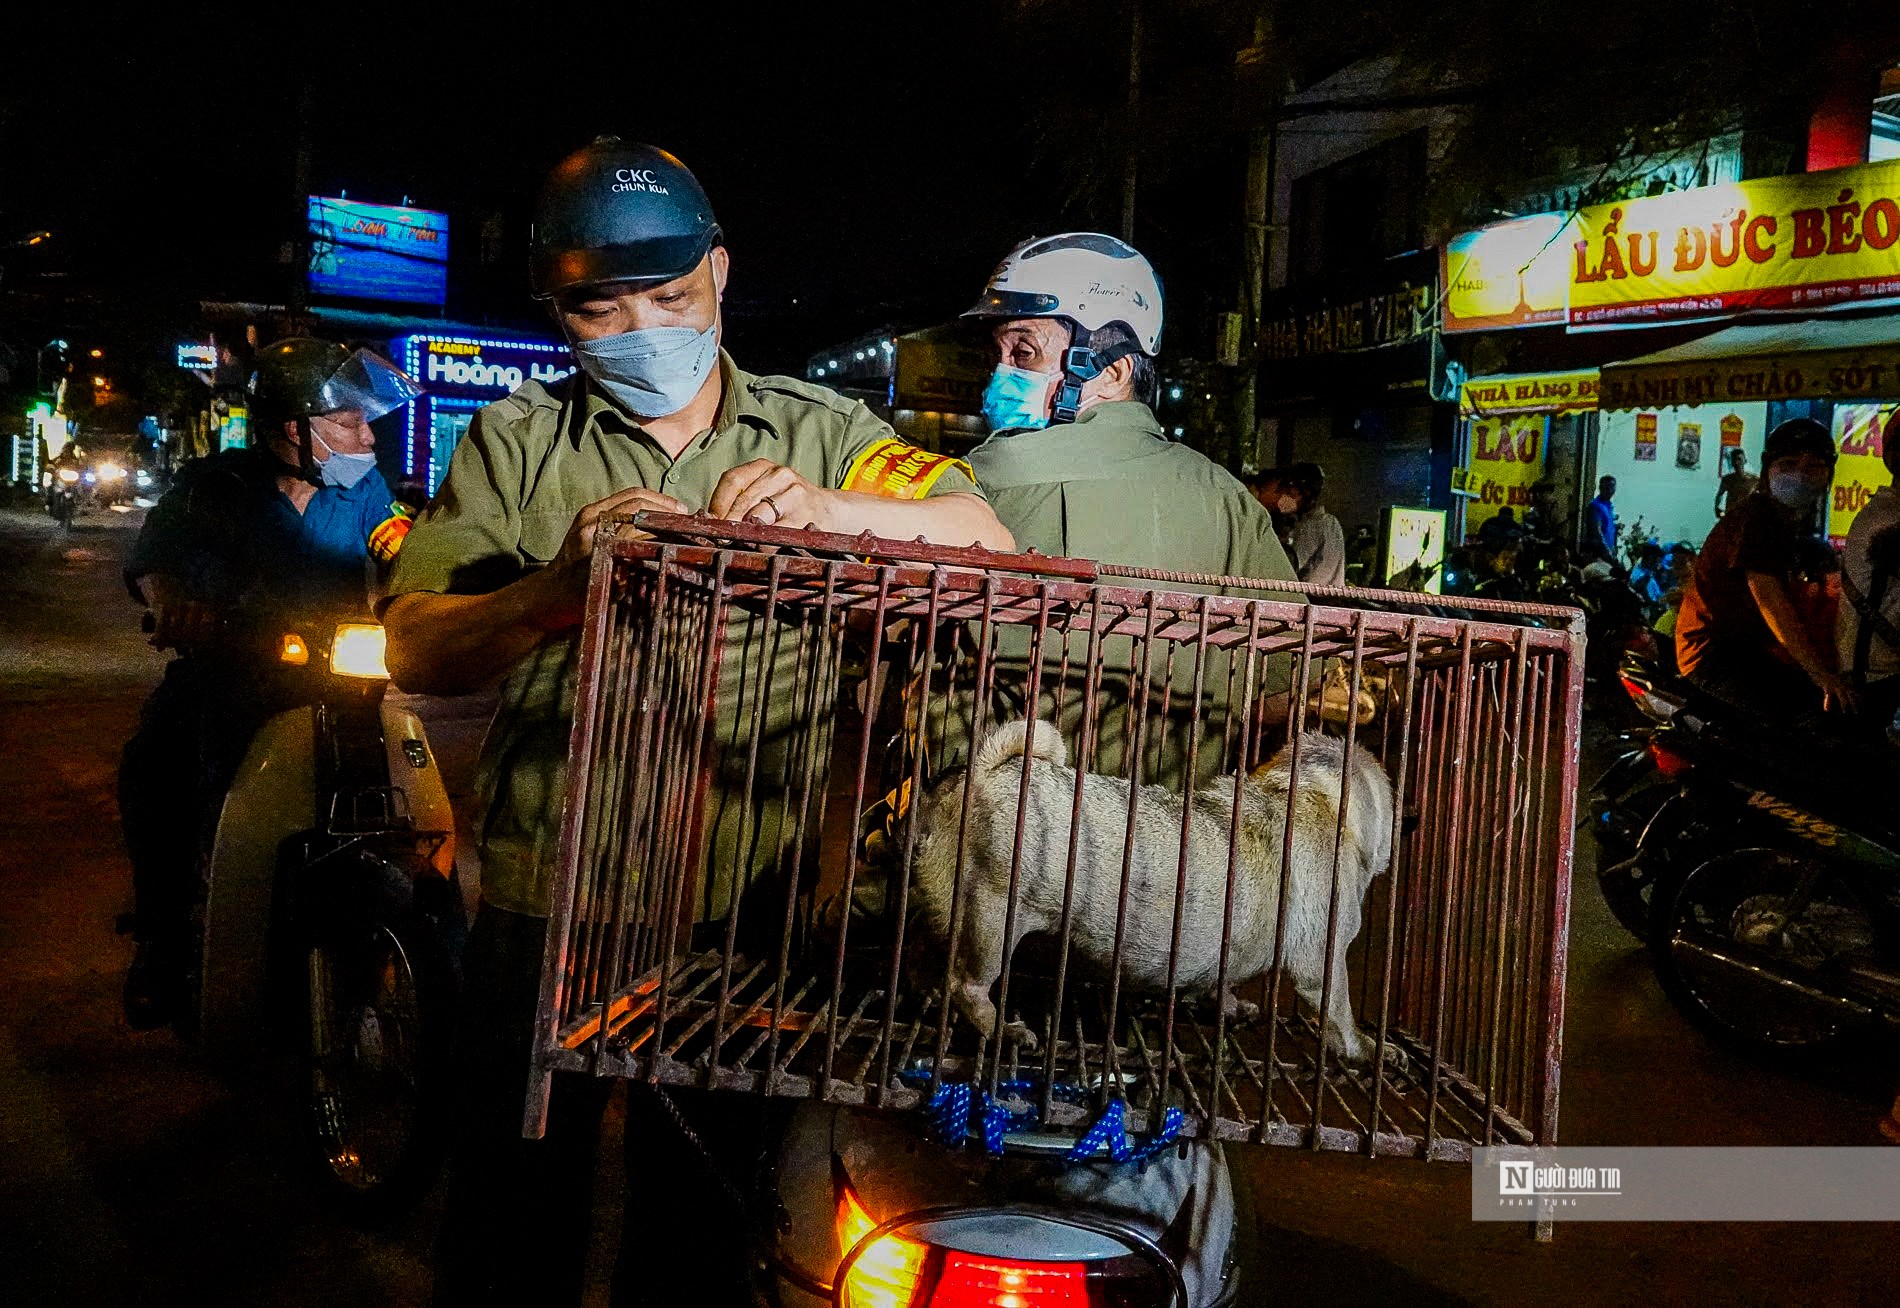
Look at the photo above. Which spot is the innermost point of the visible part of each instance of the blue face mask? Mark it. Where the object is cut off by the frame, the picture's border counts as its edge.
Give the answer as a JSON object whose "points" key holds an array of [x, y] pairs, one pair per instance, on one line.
{"points": [[653, 371], [1017, 399], [342, 470]]}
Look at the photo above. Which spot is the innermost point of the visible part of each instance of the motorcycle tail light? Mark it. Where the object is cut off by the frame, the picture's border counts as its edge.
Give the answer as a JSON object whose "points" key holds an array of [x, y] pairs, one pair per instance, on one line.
{"points": [[1655, 706], [972, 1282], [292, 650], [1669, 763], [357, 651], [895, 1271], [885, 1275]]}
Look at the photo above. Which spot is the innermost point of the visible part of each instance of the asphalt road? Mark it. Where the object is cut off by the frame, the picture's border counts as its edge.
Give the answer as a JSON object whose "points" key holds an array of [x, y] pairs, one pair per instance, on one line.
{"points": [[131, 1174]]}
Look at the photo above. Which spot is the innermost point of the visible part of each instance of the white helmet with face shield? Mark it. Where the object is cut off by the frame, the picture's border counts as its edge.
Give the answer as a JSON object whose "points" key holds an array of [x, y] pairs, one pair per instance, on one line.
{"points": [[1089, 280]]}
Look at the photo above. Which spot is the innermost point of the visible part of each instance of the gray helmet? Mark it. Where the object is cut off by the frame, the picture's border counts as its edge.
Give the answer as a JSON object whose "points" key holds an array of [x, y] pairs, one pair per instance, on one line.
{"points": [[303, 376], [618, 212]]}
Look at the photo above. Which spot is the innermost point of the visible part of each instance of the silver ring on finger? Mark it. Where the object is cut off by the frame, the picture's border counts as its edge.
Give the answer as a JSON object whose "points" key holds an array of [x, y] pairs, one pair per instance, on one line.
{"points": [[776, 512]]}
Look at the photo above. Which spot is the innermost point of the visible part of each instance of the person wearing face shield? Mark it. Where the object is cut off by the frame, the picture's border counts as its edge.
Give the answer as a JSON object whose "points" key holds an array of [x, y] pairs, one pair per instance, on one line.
{"points": [[490, 586], [1739, 637], [242, 542]]}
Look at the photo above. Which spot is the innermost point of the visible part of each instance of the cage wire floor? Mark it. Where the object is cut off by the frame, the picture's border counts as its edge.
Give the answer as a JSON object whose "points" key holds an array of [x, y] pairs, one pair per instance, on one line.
{"points": [[889, 1065]]}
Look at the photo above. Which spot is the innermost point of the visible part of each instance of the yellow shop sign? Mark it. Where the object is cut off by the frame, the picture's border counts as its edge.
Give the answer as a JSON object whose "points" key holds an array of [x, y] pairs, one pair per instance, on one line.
{"points": [[1809, 241]]}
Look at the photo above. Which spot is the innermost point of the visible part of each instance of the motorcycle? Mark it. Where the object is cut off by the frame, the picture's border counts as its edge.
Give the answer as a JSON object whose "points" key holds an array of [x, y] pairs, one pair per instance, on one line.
{"points": [[869, 1213], [1780, 934], [62, 497], [1634, 810], [330, 921], [108, 482]]}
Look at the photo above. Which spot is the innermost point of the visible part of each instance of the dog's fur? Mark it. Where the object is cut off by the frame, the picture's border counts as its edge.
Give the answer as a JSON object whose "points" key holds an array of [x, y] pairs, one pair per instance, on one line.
{"points": [[988, 841]]}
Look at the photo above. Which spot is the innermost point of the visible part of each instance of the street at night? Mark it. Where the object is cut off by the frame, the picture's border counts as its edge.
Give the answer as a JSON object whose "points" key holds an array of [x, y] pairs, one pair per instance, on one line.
{"points": [[1004, 655], [138, 1175]]}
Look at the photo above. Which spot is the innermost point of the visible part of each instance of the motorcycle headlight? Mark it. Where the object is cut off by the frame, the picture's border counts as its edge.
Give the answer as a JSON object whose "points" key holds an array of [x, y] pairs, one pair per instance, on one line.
{"points": [[111, 472], [144, 478], [69, 475], [357, 651]]}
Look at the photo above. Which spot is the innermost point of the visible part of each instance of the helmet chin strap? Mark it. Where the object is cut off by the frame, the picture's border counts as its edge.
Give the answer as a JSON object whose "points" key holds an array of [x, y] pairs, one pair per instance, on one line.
{"points": [[305, 469], [1081, 364]]}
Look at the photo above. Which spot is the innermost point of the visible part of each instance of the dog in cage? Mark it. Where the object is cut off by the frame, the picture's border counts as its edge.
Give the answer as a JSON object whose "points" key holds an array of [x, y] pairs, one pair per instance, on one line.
{"points": [[1273, 797]]}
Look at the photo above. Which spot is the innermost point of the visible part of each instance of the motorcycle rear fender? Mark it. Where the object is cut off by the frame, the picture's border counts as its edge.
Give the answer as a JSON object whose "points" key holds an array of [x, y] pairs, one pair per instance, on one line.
{"points": [[272, 797], [894, 1170], [412, 767]]}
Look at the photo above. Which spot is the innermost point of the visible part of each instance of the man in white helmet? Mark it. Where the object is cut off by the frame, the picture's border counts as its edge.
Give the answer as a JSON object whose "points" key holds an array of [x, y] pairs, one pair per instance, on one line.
{"points": [[1077, 464]]}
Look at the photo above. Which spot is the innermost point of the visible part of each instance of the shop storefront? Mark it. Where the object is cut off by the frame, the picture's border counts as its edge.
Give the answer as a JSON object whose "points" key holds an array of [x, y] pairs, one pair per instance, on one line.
{"points": [[1844, 372], [460, 375], [1351, 379], [927, 384], [1516, 431], [1622, 278]]}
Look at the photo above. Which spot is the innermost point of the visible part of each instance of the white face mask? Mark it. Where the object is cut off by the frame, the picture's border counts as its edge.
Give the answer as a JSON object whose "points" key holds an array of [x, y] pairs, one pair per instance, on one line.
{"points": [[651, 372], [342, 470], [1794, 488]]}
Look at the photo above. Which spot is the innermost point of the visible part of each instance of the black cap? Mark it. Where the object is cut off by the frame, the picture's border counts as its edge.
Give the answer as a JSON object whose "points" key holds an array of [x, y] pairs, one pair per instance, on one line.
{"points": [[1797, 436], [619, 212]]}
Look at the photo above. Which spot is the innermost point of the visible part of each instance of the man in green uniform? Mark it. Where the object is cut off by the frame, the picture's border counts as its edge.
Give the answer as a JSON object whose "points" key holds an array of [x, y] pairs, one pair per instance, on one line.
{"points": [[490, 585], [1078, 465]]}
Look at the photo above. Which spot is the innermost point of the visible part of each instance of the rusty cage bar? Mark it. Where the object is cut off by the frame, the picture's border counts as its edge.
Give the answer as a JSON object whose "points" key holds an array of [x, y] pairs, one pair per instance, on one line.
{"points": [[801, 831]]}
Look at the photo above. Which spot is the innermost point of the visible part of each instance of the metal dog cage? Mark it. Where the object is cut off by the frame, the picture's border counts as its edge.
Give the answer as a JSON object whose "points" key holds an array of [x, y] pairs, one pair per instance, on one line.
{"points": [[757, 708]]}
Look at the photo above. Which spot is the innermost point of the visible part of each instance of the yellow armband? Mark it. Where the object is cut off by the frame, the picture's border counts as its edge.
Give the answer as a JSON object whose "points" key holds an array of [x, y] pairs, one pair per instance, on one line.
{"points": [[898, 471]]}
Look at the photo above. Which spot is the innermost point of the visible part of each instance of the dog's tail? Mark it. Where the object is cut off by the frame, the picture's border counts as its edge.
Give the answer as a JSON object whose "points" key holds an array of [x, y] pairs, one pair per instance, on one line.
{"points": [[1031, 736]]}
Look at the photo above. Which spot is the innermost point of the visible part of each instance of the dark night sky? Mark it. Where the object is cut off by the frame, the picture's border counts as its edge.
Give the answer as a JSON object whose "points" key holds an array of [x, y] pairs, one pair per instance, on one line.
{"points": [[872, 162]]}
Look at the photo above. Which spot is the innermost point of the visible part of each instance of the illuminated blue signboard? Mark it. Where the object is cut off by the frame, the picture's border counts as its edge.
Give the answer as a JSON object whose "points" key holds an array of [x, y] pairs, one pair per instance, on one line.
{"points": [[198, 356], [378, 251], [460, 375]]}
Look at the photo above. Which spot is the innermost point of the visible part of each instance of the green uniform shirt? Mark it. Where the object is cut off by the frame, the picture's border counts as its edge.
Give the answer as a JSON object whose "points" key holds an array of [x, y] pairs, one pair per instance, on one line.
{"points": [[1112, 488], [527, 465]]}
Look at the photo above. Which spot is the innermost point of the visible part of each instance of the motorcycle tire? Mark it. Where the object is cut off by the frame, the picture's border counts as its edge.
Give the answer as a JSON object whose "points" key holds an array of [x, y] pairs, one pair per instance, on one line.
{"points": [[379, 1002], [1731, 907], [1619, 815]]}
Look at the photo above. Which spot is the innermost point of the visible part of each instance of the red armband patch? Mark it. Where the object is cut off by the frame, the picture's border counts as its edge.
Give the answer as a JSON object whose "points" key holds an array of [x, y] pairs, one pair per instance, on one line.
{"points": [[899, 471], [386, 541]]}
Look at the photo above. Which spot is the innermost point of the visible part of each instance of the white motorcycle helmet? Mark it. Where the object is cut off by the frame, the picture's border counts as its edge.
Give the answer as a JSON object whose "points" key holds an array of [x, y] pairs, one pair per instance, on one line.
{"points": [[1088, 279]]}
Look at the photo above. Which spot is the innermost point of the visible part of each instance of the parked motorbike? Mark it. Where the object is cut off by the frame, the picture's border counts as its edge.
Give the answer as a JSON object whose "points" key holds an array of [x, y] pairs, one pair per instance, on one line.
{"points": [[330, 921], [1635, 812], [1781, 934]]}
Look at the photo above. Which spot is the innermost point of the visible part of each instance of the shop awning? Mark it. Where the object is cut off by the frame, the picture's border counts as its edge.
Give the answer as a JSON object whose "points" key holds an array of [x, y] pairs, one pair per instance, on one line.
{"points": [[1506, 395], [1812, 359]]}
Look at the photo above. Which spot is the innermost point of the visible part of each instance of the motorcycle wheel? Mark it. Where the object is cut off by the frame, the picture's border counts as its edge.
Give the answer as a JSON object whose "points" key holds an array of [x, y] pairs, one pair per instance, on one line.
{"points": [[1744, 970], [1617, 822], [376, 1063]]}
